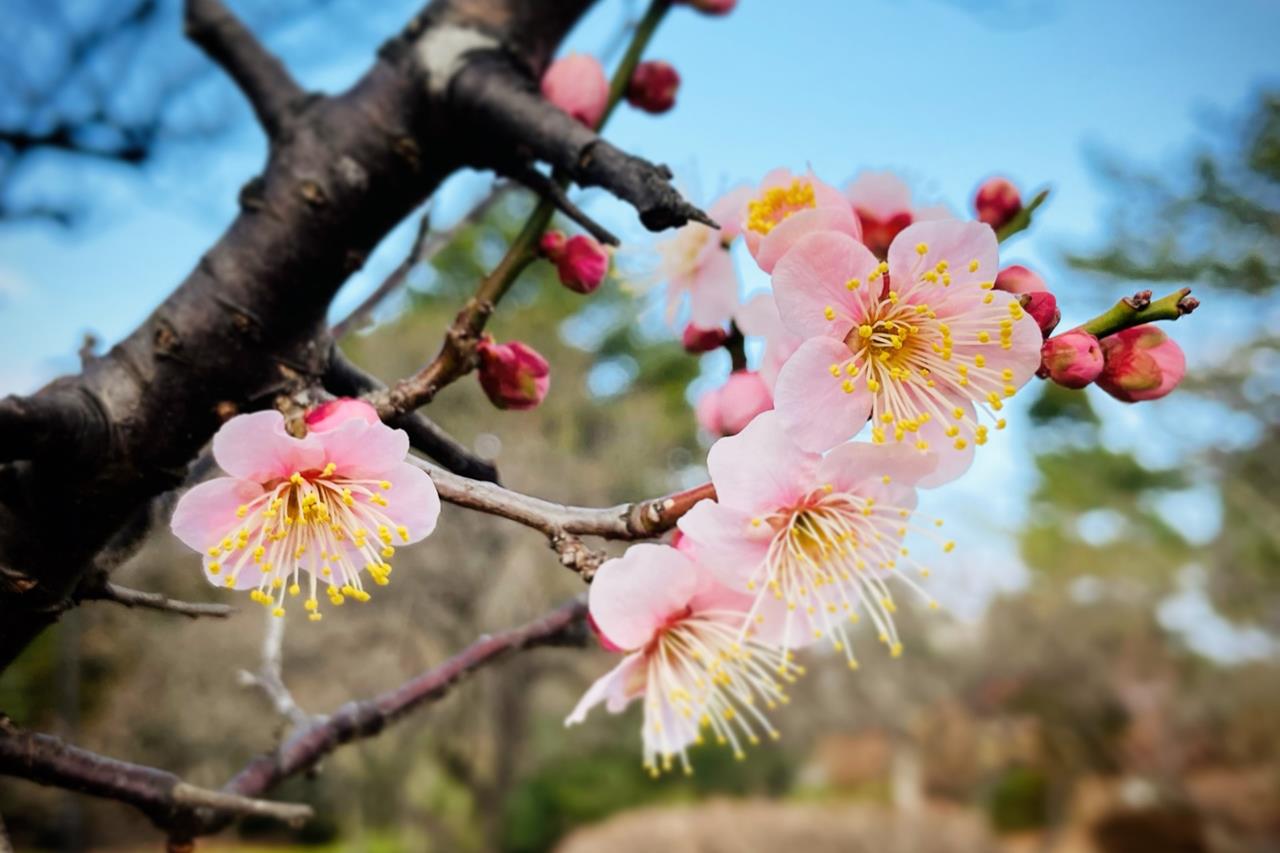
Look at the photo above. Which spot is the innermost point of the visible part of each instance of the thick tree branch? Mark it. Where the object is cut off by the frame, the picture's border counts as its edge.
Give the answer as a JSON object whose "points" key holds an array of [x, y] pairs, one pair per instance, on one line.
{"points": [[263, 79], [154, 601], [161, 795]]}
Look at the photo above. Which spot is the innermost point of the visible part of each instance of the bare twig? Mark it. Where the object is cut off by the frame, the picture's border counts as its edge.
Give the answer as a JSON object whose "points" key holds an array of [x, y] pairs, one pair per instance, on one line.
{"points": [[154, 601], [270, 677], [262, 78], [553, 192]]}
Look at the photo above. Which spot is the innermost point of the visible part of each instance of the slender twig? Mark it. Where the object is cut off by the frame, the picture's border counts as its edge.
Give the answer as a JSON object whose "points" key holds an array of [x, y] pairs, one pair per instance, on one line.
{"points": [[153, 601], [262, 78], [1140, 308], [270, 676], [1021, 220], [551, 190]]}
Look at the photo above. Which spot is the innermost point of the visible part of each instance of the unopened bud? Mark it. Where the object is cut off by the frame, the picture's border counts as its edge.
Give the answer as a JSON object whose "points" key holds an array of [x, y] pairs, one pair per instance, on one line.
{"points": [[1072, 359], [1043, 308], [653, 86], [1142, 363], [552, 244], [997, 201], [713, 7], [513, 375], [577, 85], [728, 409], [581, 262], [335, 413], [699, 340], [1016, 278]]}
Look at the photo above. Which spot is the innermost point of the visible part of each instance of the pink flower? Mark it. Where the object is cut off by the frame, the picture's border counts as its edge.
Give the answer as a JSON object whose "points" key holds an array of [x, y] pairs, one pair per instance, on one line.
{"points": [[729, 408], [997, 201], [713, 7], [1016, 278], [691, 656], [1072, 359], [913, 344], [576, 84], [581, 262], [882, 203], [785, 208], [1043, 308], [815, 541], [653, 86], [333, 504], [759, 317], [1142, 363], [696, 340], [696, 262], [513, 375]]}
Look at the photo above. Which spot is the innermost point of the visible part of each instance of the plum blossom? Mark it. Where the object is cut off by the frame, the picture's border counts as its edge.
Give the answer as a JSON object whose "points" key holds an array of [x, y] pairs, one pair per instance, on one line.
{"points": [[696, 262], [690, 655], [513, 375], [914, 344], [1141, 363], [786, 207], [334, 505], [816, 542], [729, 408], [882, 203], [758, 317]]}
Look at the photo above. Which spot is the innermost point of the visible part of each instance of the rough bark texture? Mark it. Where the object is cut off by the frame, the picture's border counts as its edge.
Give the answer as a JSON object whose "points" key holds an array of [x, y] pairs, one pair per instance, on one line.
{"points": [[456, 87]]}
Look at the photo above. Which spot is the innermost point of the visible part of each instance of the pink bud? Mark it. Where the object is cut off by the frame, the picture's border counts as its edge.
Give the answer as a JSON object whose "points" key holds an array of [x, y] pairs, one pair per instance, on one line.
{"points": [[653, 86], [728, 409], [1043, 308], [1072, 359], [713, 7], [1016, 278], [513, 375], [1142, 363], [582, 264], [698, 340], [552, 244], [997, 201], [333, 414], [577, 85]]}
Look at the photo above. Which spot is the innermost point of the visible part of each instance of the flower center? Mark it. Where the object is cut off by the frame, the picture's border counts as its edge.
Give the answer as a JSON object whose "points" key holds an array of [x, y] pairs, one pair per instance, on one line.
{"points": [[775, 205], [706, 672]]}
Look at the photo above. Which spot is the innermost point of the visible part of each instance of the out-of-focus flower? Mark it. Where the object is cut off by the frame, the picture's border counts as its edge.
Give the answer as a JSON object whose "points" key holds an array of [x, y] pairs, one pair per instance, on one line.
{"points": [[997, 201], [696, 340], [913, 343], [513, 375], [695, 261], [786, 207], [758, 317], [1072, 359], [729, 408], [581, 262], [334, 504], [691, 656], [576, 84], [1142, 363], [653, 86], [882, 203], [816, 542]]}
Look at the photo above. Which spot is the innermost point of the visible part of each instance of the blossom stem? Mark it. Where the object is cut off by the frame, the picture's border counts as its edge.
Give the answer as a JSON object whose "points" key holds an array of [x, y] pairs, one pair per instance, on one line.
{"points": [[1138, 309]]}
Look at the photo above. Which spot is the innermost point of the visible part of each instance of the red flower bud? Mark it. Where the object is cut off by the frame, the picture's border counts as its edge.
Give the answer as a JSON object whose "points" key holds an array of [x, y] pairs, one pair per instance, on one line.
{"points": [[997, 201], [713, 7], [1043, 308], [1016, 278], [577, 85], [697, 340], [552, 244], [728, 409], [1142, 363], [513, 375], [582, 263], [1072, 359], [335, 413], [653, 86]]}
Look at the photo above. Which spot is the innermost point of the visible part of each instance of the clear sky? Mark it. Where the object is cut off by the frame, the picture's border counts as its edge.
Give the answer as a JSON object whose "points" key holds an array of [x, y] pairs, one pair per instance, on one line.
{"points": [[944, 91]]}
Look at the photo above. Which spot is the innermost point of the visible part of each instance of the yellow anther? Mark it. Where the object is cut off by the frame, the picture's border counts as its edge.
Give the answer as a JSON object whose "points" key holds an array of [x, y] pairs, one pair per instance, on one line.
{"points": [[979, 360], [329, 470], [983, 337], [847, 386], [853, 284], [872, 385], [949, 547], [922, 248], [242, 511], [294, 589], [829, 313], [278, 612], [973, 265], [865, 331]]}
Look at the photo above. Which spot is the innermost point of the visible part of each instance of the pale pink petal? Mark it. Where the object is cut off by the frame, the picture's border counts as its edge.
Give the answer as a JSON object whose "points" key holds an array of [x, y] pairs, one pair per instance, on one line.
{"points": [[666, 728], [335, 413], [881, 194], [852, 467], [812, 404], [932, 213], [256, 447], [814, 285], [724, 541], [794, 228], [956, 244], [760, 467], [635, 595], [730, 210], [951, 462], [714, 292], [758, 316], [722, 602], [207, 512], [364, 450], [412, 501], [616, 688]]}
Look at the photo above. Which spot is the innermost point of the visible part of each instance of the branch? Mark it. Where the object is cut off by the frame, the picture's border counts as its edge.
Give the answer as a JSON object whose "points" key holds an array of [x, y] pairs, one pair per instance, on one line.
{"points": [[347, 379], [262, 78], [59, 422], [357, 720], [1021, 220], [270, 677], [552, 191], [162, 796], [1138, 309], [154, 601]]}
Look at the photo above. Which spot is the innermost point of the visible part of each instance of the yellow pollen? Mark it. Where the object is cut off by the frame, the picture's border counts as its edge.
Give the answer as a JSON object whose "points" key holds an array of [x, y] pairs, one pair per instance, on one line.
{"points": [[922, 248], [776, 204]]}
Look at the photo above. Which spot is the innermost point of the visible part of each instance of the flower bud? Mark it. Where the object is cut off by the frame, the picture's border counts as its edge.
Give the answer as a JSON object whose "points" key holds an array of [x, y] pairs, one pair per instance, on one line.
{"points": [[997, 201], [552, 244], [577, 85], [582, 264], [653, 86], [1016, 278], [713, 7], [698, 340], [513, 375], [1072, 359], [1142, 363], [335, 413], [728, 409], [1043, 308]]}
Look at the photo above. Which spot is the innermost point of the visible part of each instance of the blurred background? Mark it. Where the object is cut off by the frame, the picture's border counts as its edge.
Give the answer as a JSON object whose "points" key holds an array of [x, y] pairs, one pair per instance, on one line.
{"points": [[1104, 676]]}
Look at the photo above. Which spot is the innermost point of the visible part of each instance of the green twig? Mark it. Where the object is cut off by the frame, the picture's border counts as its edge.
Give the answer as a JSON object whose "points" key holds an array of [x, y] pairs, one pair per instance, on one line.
{"points": [[1140, 308], [1021, 220]]}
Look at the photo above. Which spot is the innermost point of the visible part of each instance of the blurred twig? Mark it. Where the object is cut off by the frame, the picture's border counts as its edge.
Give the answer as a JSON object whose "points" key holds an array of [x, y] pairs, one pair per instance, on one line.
{"points": [[270, 677], [153, 601]]}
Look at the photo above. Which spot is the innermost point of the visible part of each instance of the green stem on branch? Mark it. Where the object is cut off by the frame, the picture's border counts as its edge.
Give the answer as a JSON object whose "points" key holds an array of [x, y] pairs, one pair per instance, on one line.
{"points": [[1138, 309], [1021, 220]]}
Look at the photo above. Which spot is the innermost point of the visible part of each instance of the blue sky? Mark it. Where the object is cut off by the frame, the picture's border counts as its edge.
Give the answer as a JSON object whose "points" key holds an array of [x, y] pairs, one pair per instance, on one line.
{"points": [[945, 92]]}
